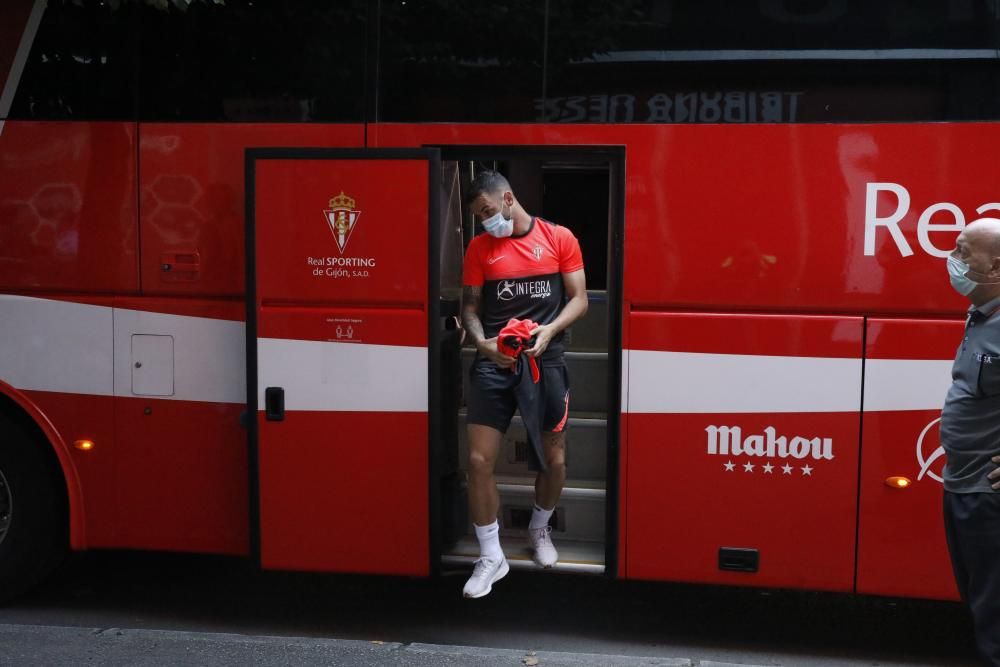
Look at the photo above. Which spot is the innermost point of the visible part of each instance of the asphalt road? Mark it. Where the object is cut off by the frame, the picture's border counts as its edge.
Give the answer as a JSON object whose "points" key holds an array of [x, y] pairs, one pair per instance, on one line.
{"points": [[131, 608]]}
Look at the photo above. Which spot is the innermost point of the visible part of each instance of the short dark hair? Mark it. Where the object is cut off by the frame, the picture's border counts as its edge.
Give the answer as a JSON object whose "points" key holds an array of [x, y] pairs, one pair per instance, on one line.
{"points": [[487, 182]]}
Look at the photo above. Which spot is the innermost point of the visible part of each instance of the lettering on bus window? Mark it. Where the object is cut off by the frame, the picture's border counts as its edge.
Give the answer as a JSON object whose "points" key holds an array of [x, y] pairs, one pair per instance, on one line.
{"points": [[768, 61], [717, 106], [944, 219]]}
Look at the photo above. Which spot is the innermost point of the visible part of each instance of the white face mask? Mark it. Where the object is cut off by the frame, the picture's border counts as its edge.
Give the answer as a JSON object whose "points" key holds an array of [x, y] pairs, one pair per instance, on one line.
{"points": [[499, 226], [957, 273], [957, 270]]}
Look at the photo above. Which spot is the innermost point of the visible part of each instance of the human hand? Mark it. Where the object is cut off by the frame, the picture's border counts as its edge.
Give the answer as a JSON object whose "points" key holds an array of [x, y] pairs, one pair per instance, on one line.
{"points": [[488, 348], [543, 334], [994, 476]]}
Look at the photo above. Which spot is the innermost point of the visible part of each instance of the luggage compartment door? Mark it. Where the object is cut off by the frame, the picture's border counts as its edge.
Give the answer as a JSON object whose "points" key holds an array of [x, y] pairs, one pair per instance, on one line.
{"points": [[743, 434], [901, 544], [340, 248]]}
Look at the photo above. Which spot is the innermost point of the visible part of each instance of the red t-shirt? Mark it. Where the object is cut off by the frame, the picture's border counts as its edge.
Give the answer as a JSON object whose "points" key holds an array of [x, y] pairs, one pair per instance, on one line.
{"points": [[521, 276]]}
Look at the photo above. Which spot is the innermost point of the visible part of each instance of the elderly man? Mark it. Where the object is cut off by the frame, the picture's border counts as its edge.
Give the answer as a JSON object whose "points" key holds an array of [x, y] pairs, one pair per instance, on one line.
{"points": [[522, 268], [970, 434]]}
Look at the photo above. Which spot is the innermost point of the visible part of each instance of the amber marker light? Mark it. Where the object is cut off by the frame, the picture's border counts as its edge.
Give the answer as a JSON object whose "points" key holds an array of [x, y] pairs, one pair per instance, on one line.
{"points": [[84, 445], [897, 482]]}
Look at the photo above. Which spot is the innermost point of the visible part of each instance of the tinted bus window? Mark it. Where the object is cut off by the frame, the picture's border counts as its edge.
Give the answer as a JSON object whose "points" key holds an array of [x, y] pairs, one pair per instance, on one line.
{"points": [[253, 60], [772, 61], [460, 61], [81, 64]]}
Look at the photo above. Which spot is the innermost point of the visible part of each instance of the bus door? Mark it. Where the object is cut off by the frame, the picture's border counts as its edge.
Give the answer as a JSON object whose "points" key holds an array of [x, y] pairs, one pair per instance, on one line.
{"points": [[340, 245]]}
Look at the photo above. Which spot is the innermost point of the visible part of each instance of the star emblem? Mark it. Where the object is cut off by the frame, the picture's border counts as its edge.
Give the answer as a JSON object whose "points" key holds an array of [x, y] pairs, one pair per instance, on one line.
{"points": [[729, 466], [748, 467], [806, 470], [786, 469], [768, 468]]}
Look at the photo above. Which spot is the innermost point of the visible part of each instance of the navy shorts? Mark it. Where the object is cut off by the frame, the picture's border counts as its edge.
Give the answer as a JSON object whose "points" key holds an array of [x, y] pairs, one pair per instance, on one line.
{"points": [[490, 395]]}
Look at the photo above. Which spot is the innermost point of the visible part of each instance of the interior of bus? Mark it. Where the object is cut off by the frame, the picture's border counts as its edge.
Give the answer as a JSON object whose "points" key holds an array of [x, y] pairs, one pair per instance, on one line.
{"points": [[580, 189]]}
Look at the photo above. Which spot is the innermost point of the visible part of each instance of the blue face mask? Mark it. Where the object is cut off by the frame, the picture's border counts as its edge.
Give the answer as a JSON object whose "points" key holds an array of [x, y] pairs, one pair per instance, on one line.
{"points": [[499, 226], [957, 270]]}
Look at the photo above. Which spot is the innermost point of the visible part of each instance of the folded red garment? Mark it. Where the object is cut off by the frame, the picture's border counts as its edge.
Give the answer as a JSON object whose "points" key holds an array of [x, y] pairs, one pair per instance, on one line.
{"points": [[514, 339]]}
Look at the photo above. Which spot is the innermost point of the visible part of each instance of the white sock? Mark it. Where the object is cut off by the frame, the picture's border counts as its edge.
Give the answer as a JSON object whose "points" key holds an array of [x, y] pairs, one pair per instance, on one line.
{"points": [[540, 517], [489, 540]]}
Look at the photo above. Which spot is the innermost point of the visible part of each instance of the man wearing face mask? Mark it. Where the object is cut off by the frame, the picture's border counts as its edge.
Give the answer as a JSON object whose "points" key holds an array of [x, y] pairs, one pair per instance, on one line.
{"points": [[970, 435], [526, 268]]}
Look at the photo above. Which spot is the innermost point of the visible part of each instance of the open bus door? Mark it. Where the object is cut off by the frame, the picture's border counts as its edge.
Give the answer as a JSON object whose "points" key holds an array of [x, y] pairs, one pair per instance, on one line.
{"points": [[342, 316]]}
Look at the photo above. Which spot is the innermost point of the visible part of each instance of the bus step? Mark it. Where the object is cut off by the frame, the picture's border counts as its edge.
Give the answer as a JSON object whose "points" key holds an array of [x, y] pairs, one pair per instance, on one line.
{"points": [[574, 556], [579, 514]]}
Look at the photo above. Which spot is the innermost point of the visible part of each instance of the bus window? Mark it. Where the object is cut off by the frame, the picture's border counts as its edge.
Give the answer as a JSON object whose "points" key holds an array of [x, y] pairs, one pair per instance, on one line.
{"points": [[81, 65], [253, 61], [468, 62], [770, 61]]}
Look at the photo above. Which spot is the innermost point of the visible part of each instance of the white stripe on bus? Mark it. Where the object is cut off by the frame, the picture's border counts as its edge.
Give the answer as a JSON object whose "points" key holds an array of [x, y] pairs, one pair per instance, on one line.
{"points": [[688, 383], [74, 348], [906, 384], [62, 346], [343, 377], [209, 355]]}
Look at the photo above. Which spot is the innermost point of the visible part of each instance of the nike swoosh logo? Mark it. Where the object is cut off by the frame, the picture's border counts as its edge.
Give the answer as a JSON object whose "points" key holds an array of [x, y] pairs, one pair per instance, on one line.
{"points": [[494, 260]]}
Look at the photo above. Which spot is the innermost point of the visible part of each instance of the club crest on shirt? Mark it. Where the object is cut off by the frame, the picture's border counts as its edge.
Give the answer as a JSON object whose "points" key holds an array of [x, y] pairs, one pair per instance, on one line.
{"points": [[537, 252]]}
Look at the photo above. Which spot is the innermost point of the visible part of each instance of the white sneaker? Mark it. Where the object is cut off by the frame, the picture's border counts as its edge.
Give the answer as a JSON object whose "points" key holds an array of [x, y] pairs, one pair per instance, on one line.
{"points": [[487, 572], [541, 542]]}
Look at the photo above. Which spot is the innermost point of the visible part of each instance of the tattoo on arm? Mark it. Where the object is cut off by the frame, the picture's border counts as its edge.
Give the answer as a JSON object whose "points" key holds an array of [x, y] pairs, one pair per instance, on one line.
{"points": [[471, 301]]}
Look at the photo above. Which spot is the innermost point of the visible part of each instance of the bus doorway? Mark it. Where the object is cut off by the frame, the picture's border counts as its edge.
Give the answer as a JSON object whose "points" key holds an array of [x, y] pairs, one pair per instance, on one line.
{"points": [[581, 188]]}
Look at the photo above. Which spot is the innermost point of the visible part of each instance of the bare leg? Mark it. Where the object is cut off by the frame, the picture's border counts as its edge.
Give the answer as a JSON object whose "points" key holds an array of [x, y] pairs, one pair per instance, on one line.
{"points": [[549, 484], [484, 500]]}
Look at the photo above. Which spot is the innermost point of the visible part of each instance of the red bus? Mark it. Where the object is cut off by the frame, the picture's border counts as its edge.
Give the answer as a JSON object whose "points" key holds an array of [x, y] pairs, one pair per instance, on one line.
{"points": [[231, 237]]}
